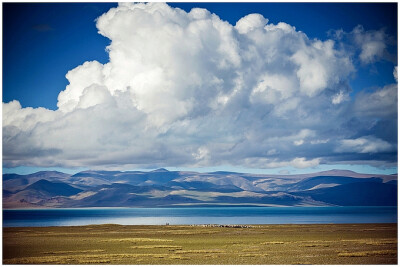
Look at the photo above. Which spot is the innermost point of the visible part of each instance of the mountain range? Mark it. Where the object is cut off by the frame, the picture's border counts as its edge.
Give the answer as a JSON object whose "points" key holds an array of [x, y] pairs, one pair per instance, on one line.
{"points": [[163, 188]]}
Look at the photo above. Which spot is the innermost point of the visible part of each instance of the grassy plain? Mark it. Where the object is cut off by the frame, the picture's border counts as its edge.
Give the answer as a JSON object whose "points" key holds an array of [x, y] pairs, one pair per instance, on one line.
{"points": [[260, 244]]}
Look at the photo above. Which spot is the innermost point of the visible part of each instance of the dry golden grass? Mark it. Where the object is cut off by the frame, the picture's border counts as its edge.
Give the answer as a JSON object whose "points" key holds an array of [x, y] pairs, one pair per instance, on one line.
{"points": [[144, 245], [75, 251], [196, 251], [367, 253], [246, 255], [251, 250], [159, 256], [134, 240], [93, 261], [156, 246], [309, 245], [379, 242], [179, 258]]}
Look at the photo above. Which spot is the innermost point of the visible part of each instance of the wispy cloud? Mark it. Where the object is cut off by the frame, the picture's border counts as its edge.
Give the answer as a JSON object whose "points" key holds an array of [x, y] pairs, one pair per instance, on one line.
{"points": [[369, 46], [365, 144]]}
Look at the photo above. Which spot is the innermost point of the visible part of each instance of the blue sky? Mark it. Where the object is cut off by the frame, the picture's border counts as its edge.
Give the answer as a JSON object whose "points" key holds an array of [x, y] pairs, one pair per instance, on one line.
{"points": [[43, 42], [71, 38]]}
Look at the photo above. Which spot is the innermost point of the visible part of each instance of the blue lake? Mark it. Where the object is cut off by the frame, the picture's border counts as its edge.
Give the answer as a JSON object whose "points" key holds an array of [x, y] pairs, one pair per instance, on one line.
{"points": [[203, 215]]}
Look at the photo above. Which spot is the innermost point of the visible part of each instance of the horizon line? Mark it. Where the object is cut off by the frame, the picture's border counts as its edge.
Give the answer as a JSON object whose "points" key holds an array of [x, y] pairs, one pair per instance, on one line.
{"points": [[22, 170]]}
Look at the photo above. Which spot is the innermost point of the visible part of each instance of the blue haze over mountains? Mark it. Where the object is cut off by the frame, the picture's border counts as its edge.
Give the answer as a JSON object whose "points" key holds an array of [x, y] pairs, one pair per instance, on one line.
{"points": [[163, 188]]}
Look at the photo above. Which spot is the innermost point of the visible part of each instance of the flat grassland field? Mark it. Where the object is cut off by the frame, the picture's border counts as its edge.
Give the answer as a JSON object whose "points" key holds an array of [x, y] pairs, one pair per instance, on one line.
{"points": [[259, 244]]}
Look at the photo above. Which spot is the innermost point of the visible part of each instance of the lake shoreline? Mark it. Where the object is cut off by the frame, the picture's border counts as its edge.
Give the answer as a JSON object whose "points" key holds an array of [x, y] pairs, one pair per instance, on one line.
{"points": [[211, 225]]}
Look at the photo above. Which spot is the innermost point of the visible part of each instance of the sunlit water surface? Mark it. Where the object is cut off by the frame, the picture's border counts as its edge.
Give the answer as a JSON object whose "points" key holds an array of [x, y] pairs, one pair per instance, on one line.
{"points": [[199, 215]]}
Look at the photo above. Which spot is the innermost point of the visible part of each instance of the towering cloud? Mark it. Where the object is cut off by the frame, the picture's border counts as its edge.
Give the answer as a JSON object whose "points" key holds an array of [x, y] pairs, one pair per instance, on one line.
{"points": [[189, 89]]}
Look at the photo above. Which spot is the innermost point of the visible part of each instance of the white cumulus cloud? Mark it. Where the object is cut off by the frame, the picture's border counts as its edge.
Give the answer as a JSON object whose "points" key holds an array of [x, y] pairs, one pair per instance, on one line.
{"points": [[251, 22], [189, 89]]}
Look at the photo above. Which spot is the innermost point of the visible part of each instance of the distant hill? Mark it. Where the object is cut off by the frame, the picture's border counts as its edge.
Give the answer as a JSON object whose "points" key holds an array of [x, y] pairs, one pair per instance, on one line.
{"points": [[328, 181], [38, 193], [163, 188], [53, 189], [356, 194], [14, 182]]}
